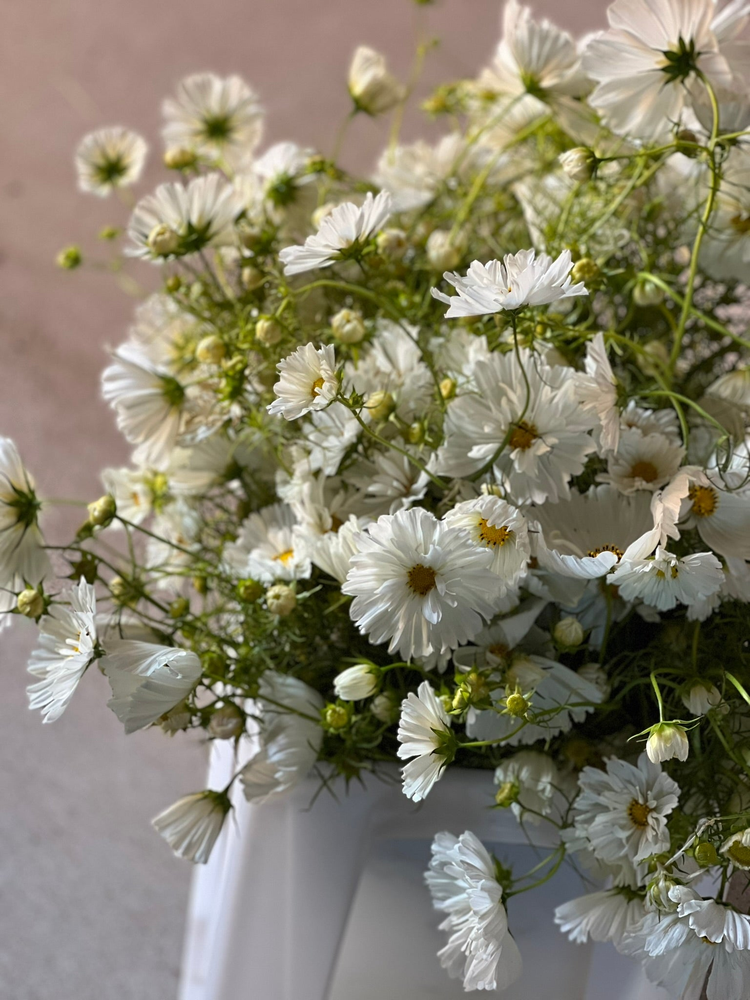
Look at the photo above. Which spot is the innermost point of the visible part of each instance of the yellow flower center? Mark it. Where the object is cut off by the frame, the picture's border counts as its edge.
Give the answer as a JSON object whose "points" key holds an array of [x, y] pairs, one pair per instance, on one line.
{"points": [[499, 649], [704, 500], [739, 854], [645, 471], [638, 813], [523, 436], [492, 535], [593, 553], [740, 224], [317, 386], [421, 579], [285, 557]]}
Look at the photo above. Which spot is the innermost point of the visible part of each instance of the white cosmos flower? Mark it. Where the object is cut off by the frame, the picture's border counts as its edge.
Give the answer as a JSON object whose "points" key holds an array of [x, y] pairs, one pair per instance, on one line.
{"points": [[726, 249], [718, 505], [414, 174], [737, 849], [597, 391], [520, 279], [423, 733], [532, 778], [109, 158], [667, 741], [345, 230], [644, 61], [177, 220], [418, 585], [192, 825], [665, 580], [373, 88], [622, 812], [651, 421], [701, 698], [148, 401], [290, 737], [642, 462], [282, 170], [600, 916], [333, 431], [357, 682], [22, 558], [464, 886], [307, 381], [333, 551], [147, 680], [524, 424], [494, 524], [220, 119], [133, 492], [265, 549], [388, 483], [67, 644]]}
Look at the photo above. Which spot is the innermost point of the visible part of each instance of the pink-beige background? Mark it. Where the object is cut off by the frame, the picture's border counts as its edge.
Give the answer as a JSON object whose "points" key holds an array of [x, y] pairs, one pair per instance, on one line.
{"points": [[91, 900]]}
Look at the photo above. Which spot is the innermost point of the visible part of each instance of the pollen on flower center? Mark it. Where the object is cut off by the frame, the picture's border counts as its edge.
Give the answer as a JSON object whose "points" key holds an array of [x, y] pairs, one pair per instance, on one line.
{"points": [[492, 535], [638, 813], [285, 557], [523, 436], [421, 579], [317, 386], [645, 471], [593, 553], [704, 500]]}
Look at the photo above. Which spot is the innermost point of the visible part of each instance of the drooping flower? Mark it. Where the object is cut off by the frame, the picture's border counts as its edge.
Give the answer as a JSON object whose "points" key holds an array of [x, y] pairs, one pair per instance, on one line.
{"points": [[529, 780], [357, 682], [519, 280], [701, 698], [192, 825], [109, 158], [666, 741], [342, 233], [373, 88], [494, 524], [418, 585], [597, 391], [423, 733], [666, 580], [67, 645], [307, 381]]}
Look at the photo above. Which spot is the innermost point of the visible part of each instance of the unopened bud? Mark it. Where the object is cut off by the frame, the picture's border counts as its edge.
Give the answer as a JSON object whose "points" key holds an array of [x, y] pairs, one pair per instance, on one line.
{"points": [[373, 89], [706, 854], [392, 243], [163, 241], [516, 705], [281, 599], [385, 707], [179, 607], [586, 270], [347, 326], [173, 284], [442, 251], [416, 433], [380, 405], [507, 794], [267, 331], [180, 159], [252, 277], [69, 258], [647, 293], [226, 723], [337, 716], [568, 633], [30, 603], [177, 719], [210, 350], [448, 388], [249, 591], [579, 164], [102, 511]]}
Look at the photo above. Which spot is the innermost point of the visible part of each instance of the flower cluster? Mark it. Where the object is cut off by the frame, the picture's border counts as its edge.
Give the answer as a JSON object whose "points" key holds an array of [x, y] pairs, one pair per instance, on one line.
{"points": [[449, 466]]}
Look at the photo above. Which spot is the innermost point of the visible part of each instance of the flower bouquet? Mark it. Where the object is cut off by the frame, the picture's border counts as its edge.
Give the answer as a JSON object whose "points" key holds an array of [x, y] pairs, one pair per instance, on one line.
{"points": [[447, 465]]}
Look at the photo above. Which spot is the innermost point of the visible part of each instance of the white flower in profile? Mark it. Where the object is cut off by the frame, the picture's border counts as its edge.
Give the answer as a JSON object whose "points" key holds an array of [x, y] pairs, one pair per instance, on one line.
{"points": [[357, 682], [307, 381], [333, 551], [648, 56], [667, 741], [220, 119], [192, 825], [282, 170], [463, 884], [600, 916], [642, 462], [148, 401], [265, 548], [495, 524], [388, 483], [133, 493], [665, 580], [519, 280], [109, 158], [333, 431], [178, 220], [423, 733], [717, 503], [597, 391], [622, 812], [524, 424], [414, 174], [290, 737], [22, 556], [342, 233], [528, 780], [147, 679], [701, 697], [67, 645], [418, 585], [373, 88]]}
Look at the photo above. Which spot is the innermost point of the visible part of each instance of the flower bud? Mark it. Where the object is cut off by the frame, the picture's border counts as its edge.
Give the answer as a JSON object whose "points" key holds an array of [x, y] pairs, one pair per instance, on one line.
{"points": [[249, 591], [705, 854], [586, 270], [176, 719], [337, 716], [252, 277], [380, 405], [373, 89], [163, 241], [109, 233], [102, 511], [737, 849], [442, 252], [357, 682], [210, 350], [647, 293], [734, 388], [267, 331], [654, 359], [173, 284], [701, 698], [658, 893], [667, 740], [516, 704], [348, 326], [69, 258], [179, 607], [568, 633], [416, 432], [392, 243], [579, 164], [385, 707], [507, 794], [180, 159], [448, 388], [281, 599], [30, 603], [226, 723]]}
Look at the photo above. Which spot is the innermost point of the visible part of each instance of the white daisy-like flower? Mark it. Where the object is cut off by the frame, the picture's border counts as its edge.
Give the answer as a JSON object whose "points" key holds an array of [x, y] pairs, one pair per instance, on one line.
{"points": [[718, 505], [133, 491], [701, 698], [651, 421], [171, 554], [22, 556], [177, 220], [529, 779], [282, 170], [388, 483], [524, 424], [192, 825], [373, 88], [220, 119], [457, 354], [664, 581], [290, 737], [622, 812], [333, 431], [415, 173], [333, 551], [419, 584], [494, 524], [597, 391], [423, 733], [600, 916], [67, 645], [642, 462], [643, 63], [147, 679], [265, 549], [110, 158], [519, 280], [307, 381], [342, 233], [148, 401], [463, 884]]}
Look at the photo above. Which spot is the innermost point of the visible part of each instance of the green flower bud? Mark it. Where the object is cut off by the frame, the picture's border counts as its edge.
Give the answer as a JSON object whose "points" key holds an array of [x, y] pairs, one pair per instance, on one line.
{"points": [[30, 603], [69, 258], [102, 511]]}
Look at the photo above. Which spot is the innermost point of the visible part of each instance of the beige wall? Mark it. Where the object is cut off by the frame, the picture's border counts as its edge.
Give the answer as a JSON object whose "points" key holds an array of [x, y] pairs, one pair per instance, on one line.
{"points": [[92, 901]]}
